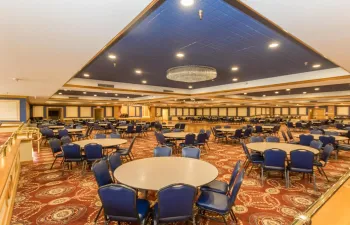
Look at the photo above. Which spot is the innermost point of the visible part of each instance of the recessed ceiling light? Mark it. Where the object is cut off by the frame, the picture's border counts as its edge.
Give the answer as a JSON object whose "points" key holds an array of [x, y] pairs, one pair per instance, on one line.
{"points": [[317, 89], [144, 81], [111, 56], [287, 89], [235, 68], [212, 99], [106, 92], [84, 92], [180, 55], [264, 95], [65, 89], [138, 71], [86, 75], [128, 97], [95, 95], [273, 45], [316, 66], [276, 105], [235, 79], [190, 87], [276, 92], [60, 93], [116, 94], [304, 92], [297, 104], [187, 2]]}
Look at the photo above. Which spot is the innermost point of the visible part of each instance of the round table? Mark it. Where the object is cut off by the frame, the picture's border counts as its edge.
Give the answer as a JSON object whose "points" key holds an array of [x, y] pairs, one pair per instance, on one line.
{"points": [[337, 138], [168, 125], [71, 130], [267, 127], [55, 127], [262, 146], [107, 142], [177, 134], [158, 172], [339, 131], [122, 127], [227, 130]]}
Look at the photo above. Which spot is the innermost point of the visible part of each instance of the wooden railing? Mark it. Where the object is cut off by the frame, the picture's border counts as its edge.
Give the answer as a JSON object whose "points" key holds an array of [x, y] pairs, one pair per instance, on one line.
{"points": [[10, 166]]}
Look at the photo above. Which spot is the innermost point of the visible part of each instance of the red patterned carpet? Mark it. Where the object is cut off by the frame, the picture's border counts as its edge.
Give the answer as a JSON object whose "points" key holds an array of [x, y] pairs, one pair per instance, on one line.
{"points": [[4, 137], [47, 197]]}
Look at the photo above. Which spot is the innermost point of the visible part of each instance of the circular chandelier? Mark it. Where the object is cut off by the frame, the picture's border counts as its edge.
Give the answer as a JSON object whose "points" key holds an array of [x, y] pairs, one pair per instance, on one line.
{"points": [[191, 73]]}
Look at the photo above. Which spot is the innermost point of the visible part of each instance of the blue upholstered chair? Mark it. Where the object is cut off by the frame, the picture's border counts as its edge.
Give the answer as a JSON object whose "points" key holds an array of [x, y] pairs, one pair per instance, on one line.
{"points": [[71, 153], [259, 129], [237, 136], [274, 159], [189, 140], [175, 204], [62, 133], [221, 186], [291, 138], [301, 161], [305, 139], [254, 159], [93, 152], [254, 139], [66, 140], [220, 203], [114, 161], [120, 204], [56, 149], [322, 162], [191, 152], [162, 141], [100, 136], [127, 152], [161, 151], [272, 139], [201, 140], [114, 135], [316, 131]]}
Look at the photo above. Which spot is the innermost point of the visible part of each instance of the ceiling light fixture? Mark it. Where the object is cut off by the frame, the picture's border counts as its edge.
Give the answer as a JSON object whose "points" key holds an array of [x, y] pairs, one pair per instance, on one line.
{"points": [[317, 89], [187, 2], [111, 56], [235, 79], [95, 95], [276, 92], [316, 66], [304, 92], [180, 55], [138, 71], [245, 93], [86, 75], [190, 87], [106, 92], [116, 94], [235, 68], [191, 73], [264, 95], [288, 89], [273, 45], [84, 92], [144, 81], [128, 97], [60, 93]]}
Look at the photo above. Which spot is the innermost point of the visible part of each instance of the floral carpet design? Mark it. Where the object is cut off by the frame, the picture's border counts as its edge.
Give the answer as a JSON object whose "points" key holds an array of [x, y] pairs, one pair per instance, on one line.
{"points": [[47, 197]]}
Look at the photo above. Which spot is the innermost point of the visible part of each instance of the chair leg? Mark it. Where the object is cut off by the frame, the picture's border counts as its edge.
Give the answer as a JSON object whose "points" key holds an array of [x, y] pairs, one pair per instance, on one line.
{"points": [[250, 169], [324, 173], [53, 163], [288, 179], [98, 214], [314, 176], [233, 216], [223, 217], [262, 175]]}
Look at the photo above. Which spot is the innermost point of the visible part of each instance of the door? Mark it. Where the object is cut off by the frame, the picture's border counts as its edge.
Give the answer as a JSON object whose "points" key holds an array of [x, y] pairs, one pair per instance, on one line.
{"points": [[98, 114], [165, 114]]}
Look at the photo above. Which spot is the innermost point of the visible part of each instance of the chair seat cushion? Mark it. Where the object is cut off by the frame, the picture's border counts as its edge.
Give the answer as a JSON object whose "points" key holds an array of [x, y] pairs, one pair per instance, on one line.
{"points": [[274, 168], [143, 207], [216, 186], [123, 151], [213, 201], [301, 170]]}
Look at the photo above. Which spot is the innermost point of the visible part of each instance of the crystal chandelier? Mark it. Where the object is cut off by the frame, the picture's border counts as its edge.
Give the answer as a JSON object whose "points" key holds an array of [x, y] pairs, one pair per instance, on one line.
{"points": [[191, 73]]}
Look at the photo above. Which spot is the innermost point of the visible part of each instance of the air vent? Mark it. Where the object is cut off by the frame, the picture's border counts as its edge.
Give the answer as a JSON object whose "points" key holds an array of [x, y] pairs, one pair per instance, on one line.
{"points": [[169, 91], [73, 97], [106, 85]]}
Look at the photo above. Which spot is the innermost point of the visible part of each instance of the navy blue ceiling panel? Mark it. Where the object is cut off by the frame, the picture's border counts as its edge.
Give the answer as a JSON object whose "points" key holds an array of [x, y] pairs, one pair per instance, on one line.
{"points": [[99, 94], [294, 91], [224, 38]]}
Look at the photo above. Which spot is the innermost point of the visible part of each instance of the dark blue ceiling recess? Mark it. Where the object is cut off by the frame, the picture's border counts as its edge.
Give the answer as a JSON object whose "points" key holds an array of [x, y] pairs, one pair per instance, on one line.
{"points": [[294, 91], [224, 38], [98, 94]]}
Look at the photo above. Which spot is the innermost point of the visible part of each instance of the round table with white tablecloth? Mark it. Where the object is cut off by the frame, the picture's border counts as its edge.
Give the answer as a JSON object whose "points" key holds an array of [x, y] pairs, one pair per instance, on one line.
{"points": [[107, 142], [262, 146]]}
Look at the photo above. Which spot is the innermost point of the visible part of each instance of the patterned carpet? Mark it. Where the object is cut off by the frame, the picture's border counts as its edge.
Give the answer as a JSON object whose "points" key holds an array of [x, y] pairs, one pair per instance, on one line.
{"points": [[4, 136], [47, 197]]}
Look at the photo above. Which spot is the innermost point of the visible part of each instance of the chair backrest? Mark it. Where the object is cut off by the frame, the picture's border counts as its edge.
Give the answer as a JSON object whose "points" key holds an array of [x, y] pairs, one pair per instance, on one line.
{"points": [[227, 126], [161, 151], [62, 133], [326, 153], [235, 190], [275, 158], [272, 139], [119, 202], [305, 139], [167, 130], [246, 151], [290, 136], [55, 145], [247, 132], [66, 140], [208, 132], [131, 144], [114, 135], [315, 131], [327, 140], [175, 203], [284, 136], [182, 126], [238, 133], [298, 124], [258, 129], [100, 136], [114, 161], [201, 138], [113, 129], [49, 133], [316, 144], [290, 125], [254, 139], [191, 152], [93, 151], [130, 128], [201, 131], [101, 172], [71, 151], [234, 174], [177, 126], [190, 139], [301, 159], [218, 126], [138, 129]]}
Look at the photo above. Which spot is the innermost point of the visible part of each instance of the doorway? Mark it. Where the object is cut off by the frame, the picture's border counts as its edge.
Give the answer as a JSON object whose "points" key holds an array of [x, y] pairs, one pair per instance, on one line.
{"points": [[165, 114], [54, 113], [98, 113]]}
